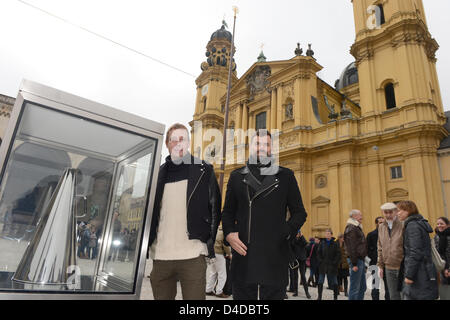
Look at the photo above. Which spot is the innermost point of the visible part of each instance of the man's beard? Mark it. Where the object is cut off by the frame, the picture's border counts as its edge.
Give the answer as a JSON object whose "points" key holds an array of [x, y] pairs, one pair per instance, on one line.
{"points": [[176, 159], [260, 160]]}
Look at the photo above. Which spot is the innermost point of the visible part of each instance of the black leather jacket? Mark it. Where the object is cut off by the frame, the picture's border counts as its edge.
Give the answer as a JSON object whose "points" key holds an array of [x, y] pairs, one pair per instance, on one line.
{"points": [[203, 203], [355, 243]]}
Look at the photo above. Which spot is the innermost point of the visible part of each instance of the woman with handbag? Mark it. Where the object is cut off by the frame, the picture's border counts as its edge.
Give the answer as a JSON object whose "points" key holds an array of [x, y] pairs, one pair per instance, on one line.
{"points": [[419, 276], [442, 244], [343, 270]]}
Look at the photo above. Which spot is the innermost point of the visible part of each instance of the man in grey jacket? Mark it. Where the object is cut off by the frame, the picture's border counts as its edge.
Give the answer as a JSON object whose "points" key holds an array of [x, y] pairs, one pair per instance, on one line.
{"points": [[390, 248]]}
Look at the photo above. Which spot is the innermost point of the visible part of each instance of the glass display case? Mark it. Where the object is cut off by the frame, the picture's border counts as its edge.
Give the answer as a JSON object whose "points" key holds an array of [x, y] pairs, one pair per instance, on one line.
{"points": [[77, 184]]}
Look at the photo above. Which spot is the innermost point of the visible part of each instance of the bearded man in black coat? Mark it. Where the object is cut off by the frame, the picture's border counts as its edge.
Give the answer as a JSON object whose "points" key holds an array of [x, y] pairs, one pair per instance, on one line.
{"points": [[254, 223]]}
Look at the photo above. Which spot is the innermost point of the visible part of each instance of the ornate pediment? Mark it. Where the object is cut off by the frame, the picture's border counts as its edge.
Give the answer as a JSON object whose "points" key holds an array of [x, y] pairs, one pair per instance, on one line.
{"points": [[397, 193], [257, 80], [320, 199]]}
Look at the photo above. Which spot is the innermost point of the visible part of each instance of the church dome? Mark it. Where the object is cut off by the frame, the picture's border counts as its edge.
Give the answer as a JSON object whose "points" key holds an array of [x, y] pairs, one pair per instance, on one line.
{"points": [[222, 33], [348, 77]]}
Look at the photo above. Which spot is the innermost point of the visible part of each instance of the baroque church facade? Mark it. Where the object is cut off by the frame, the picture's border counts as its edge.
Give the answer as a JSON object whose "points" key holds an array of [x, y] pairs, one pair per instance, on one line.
{"points": [[378, 134]]}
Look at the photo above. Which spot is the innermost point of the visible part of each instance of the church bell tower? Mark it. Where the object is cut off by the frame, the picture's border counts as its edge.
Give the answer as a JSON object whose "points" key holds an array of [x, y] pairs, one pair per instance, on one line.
{"points": [[395, 57], [211, 87]]}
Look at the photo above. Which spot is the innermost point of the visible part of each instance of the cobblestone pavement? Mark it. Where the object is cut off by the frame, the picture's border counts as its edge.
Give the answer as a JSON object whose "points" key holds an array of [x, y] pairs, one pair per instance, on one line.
{"points": [[147, 294]]}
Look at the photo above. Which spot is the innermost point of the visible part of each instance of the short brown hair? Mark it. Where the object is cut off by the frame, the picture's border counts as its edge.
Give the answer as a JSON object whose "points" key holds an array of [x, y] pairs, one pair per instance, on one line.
{"points": [[175, 127], [329, 230], [408, 206]]}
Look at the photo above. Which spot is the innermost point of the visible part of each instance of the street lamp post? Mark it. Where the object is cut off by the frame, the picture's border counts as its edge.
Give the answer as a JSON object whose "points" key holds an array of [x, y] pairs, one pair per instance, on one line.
{"points": [[227, 105]]}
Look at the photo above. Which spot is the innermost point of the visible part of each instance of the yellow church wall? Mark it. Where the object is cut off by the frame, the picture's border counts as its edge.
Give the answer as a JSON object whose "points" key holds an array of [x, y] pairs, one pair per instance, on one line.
{"points": [[367, 95], [407, 91], [198, 99], [436, 90], [218, 89], [352, 92], [346, 164], [360, 178]]}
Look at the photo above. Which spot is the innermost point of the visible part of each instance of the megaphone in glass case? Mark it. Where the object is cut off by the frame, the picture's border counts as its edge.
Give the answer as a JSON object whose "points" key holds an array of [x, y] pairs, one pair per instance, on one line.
{"points": [[58, 146], [51, 255]]}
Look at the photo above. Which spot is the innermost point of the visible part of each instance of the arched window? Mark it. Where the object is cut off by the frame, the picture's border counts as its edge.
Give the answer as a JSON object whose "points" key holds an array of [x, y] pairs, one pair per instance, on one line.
{"points": [[389, 93], [204, 104], [380, 18]]}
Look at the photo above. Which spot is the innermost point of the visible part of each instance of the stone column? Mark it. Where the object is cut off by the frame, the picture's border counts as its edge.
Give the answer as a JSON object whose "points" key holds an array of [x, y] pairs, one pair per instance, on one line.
{"points": [[238, 120], [335, 204], [273, 108], [279, 107], [198, 101], [244, 124], [376, 181], [251, 121], [297, 117]]}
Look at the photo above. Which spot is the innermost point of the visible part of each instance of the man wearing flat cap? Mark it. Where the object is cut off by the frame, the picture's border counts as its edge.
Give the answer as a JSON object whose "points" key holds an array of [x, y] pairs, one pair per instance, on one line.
{"points": [[390, 248]]}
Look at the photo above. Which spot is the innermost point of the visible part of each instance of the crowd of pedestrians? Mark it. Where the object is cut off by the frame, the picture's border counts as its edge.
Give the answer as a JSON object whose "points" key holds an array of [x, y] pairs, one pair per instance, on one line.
{"points": [[123, 244], [398, 252], [262, 218], [87, 237]]}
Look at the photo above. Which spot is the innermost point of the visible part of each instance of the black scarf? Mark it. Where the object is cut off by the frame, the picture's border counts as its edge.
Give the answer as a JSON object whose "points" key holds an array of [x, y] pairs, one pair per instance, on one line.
{"points": [[255, 166], [179, 170]]}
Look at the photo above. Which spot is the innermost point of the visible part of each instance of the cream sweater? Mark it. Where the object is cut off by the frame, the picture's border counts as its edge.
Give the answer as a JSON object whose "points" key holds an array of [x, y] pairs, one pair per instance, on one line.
{"points": [[172, 241]]}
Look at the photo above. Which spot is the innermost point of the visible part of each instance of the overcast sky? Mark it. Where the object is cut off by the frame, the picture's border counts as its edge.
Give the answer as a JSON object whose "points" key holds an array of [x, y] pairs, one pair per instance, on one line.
{"points": [[39, 47]]}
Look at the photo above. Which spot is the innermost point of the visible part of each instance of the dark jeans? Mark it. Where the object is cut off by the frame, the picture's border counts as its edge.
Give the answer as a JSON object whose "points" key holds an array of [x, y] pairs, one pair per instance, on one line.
{"points": [[191, 273], [293, 273], [331, 279], [343, 280], [313, 274], [250, 292], [82, 250]]}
